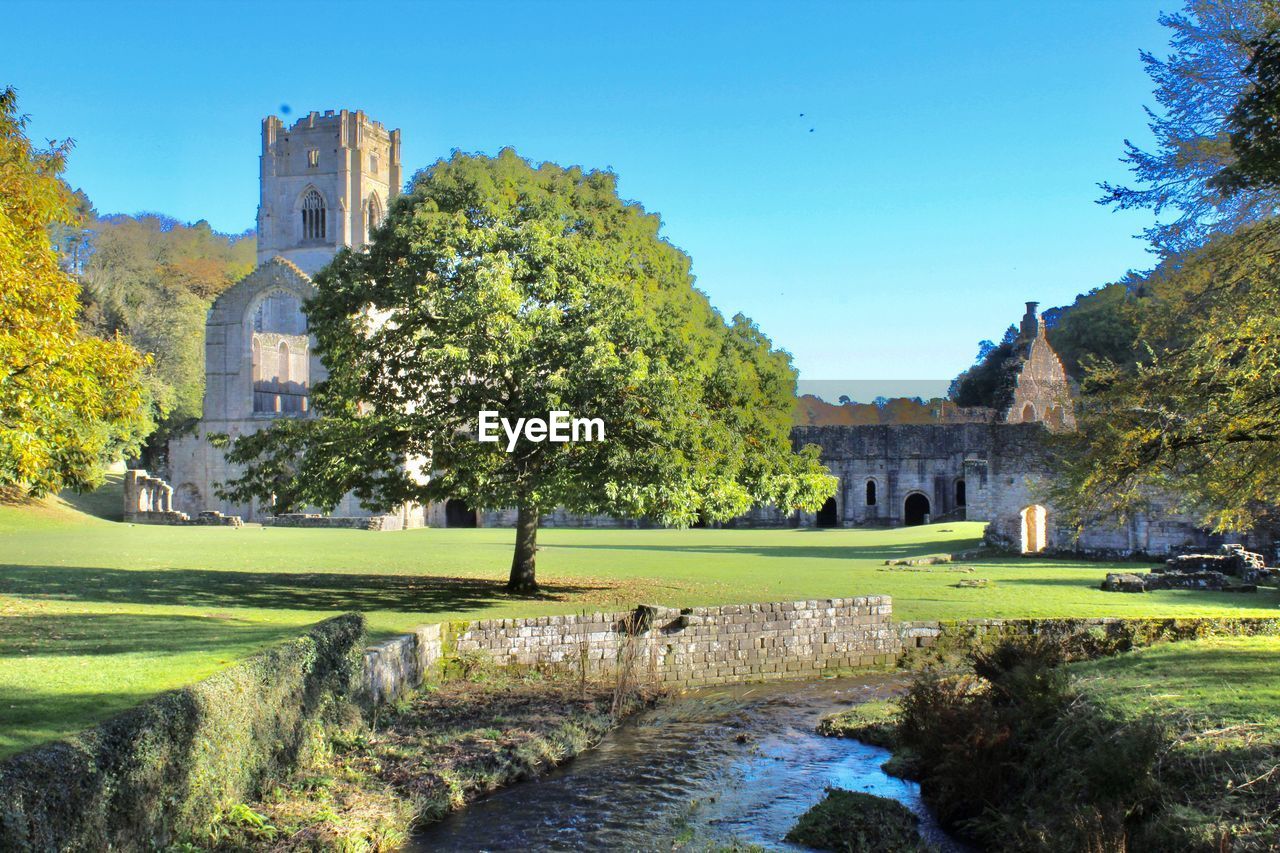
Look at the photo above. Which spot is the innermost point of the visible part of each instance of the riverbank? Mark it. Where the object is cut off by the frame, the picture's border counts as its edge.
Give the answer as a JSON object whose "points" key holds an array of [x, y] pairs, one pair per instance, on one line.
{"points": [[367, 783], [1175, 746]]}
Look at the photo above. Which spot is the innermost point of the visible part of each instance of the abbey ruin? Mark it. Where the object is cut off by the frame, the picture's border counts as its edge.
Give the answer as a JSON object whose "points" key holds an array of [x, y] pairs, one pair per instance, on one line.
{"points": [[325, 182]]}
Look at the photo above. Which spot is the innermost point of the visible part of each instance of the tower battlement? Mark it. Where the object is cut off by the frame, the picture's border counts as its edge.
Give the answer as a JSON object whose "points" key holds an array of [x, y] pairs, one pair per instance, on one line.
{"points": [[326, 181]]}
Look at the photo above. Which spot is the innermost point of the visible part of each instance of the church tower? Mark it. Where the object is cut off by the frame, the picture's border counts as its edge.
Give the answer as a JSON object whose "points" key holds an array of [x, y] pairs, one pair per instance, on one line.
{"points": [[325, 182]]}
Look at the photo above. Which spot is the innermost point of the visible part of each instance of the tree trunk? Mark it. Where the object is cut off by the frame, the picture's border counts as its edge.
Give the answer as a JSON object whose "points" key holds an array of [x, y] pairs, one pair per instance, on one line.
{"points": [[523, 579]]}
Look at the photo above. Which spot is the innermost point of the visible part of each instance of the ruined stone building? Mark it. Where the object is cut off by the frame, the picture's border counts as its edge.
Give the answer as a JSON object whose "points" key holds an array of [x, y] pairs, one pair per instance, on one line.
{"points": [[979, 464], [325, 182]]}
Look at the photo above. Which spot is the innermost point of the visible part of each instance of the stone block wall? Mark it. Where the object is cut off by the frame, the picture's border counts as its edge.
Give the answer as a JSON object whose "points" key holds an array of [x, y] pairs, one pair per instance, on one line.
{"points": [[676, 648], [390, 521]]}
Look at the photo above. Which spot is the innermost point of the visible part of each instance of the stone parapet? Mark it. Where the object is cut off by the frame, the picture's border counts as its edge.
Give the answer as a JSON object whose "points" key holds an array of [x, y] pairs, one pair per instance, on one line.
{"points": [[673, 647]]}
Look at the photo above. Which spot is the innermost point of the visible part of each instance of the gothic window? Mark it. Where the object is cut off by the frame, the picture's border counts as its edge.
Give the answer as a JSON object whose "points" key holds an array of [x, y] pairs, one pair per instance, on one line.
{"points": [[284, 362], [313, 158], [313, 218], [373, 163], [871, 492], [1028, 413], [279, 355], [373, 216]]}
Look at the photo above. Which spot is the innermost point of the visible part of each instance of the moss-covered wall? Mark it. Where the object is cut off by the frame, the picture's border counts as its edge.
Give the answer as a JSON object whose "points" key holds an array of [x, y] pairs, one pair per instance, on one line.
{"points": [[143, 779]]}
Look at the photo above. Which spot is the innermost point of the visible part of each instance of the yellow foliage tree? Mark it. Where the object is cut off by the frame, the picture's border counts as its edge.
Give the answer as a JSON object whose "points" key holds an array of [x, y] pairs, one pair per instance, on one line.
{"points": [[68, 402]]}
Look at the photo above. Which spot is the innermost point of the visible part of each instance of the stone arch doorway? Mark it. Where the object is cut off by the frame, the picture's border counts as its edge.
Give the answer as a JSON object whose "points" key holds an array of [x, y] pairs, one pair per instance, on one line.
{"points": [[961, 497], [1034, 520], [458, 514], [915, 510], [827, 516]]}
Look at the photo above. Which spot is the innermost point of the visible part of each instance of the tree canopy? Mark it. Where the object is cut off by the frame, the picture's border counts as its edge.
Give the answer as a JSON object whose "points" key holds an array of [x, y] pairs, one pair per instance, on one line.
{"points": [[497, 285], [69, 403], [150, 279], [1196, 414], [1196, 87], [1254, 125]]}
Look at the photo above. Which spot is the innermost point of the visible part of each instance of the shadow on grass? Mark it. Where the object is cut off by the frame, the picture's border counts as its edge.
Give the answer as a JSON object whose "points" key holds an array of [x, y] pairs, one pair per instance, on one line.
{"points": [[107, 501], [29, 717], [270, 590], [833, 552], [119, 633]]}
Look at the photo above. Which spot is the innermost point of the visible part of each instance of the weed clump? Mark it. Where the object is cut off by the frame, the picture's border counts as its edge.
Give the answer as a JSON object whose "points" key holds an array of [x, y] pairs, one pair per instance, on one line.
{"points": [[853, 822]]}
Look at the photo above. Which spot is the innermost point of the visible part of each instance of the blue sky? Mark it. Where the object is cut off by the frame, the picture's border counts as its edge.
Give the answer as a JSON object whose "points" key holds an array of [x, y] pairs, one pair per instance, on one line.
{"points": [[948, 178]]}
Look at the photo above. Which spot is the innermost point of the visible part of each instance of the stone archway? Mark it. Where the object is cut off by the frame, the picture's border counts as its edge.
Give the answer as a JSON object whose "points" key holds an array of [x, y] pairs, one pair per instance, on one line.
{"points": [[458, 514], [915, 510], [1034, 520], [828, 515]]}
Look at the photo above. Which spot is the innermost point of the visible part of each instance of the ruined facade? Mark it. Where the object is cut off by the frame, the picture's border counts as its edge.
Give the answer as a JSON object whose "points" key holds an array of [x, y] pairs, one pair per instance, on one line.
{"points": [[1040, 391], [325, 183], [981, 464], [327, 180]]}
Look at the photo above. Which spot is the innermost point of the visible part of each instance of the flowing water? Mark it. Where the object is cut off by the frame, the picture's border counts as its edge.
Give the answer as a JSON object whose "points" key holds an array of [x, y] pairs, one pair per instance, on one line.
{"points": [[714, 767]]}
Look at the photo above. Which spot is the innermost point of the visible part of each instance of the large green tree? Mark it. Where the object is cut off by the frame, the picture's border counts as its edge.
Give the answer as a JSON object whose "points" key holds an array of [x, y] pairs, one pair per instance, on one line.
{"points": [[1197, 413], [1194, 411], [1196, 86], [495, 285], [68, 402]]}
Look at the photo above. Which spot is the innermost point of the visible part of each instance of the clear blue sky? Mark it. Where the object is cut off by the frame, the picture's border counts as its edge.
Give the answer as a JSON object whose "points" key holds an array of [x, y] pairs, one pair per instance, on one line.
{"points": [[948, 178]]}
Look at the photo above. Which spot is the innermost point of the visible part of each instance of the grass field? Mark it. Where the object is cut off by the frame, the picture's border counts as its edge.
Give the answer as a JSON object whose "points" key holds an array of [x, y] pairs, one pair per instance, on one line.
{"points": [[96, 615], [1219, 701]]}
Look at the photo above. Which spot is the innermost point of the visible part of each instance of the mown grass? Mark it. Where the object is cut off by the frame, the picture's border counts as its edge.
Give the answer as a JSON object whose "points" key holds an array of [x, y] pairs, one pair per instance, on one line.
{"points": [[1225, 680], [96, 615], [1219, 701]]}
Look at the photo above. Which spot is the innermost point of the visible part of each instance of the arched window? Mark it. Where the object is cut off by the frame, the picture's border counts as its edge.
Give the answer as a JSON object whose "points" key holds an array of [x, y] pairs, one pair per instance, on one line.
{"points": [[284, 362], [372, 217], [871, 492], [313, 218], [1028, 413]]}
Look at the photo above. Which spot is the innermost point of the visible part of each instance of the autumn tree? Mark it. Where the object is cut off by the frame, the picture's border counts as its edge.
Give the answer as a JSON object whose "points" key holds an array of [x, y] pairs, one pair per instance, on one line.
{"points": [[150, 279], [1197, 415], [495, 285], [68, 402]]}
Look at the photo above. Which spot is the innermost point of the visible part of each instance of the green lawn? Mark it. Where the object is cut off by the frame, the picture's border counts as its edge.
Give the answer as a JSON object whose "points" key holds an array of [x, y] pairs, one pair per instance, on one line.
{"points": [[1227, 681], [1219, 702], [96, 615]]}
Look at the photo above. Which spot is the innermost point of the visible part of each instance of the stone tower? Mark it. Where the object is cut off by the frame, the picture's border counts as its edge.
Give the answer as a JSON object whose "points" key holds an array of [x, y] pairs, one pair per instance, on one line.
{"points": [[325, 182]]}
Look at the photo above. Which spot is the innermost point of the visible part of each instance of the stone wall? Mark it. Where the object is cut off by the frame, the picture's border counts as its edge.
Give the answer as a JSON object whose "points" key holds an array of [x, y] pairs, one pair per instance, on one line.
{"points": [[1013, 482], [677, 648], [880, 466], [390, 521]]}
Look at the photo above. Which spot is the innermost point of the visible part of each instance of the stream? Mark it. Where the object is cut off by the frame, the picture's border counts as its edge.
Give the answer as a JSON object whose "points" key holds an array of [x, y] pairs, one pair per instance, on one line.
{"points": [[716, 766]]}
